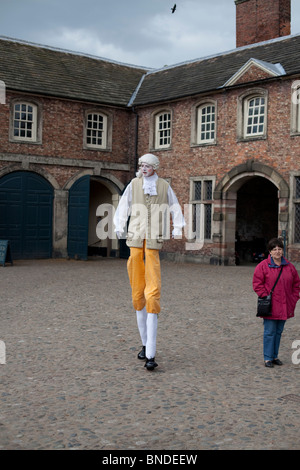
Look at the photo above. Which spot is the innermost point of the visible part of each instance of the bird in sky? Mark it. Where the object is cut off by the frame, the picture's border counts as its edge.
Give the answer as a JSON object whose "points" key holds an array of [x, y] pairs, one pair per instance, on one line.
{"points": [[174, 8]]}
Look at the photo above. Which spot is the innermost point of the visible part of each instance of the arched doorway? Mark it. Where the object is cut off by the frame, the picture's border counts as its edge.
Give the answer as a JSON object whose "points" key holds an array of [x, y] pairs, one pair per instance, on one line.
{"points": [[26, 211], [86, 194], [253, 199], [256, 218], [103, 193]]}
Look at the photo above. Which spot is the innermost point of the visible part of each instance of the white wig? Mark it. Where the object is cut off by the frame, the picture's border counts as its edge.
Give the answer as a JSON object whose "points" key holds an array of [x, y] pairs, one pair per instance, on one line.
{"points": [[150, 159]]}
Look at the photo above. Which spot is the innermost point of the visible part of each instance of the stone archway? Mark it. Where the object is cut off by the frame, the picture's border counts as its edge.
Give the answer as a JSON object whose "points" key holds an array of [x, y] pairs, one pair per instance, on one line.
{"points": [[26, 214], [256, 219], [225, 206], [86, 193], [103, 192]]}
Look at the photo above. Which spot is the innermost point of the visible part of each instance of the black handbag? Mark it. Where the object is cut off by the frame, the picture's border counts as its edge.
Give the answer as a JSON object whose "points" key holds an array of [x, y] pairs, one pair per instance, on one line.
{"points": [[264, 304]]}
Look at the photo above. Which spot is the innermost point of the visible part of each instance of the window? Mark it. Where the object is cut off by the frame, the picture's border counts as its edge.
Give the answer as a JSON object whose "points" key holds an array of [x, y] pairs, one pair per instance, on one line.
{"points": [[201, 207], [204, 123], [255, 116], [297, 210], [163, 130], [24, 121], [96, 130], [160, 130], [295, 108], [206, 126], [2, 92], [252, 115]]}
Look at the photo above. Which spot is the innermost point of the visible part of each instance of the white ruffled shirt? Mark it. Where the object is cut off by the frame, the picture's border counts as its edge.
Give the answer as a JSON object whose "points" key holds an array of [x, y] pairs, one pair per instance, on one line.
{"points": [[149, 185]]}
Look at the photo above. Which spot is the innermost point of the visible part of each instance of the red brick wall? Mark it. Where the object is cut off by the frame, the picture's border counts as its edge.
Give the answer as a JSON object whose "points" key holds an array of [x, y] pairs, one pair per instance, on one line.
{"points": [[260, 20], [252, 74], [279, 150], [183, 161], [62, 136]]}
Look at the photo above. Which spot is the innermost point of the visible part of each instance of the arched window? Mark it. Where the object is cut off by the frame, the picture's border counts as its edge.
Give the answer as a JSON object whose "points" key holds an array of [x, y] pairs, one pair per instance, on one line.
{"points": [[96, 127], [295, 108], [255, 116], [206, 123], [252, 115], [24, 122], [162, 130]]}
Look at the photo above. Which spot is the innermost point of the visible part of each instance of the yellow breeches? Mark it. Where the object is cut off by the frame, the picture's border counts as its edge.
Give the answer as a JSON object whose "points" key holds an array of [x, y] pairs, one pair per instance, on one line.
{"points": [[143, 268]]}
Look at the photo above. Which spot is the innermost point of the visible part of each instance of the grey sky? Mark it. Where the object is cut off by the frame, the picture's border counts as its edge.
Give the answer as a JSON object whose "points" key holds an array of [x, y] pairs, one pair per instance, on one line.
{"points": [[140, 32]]}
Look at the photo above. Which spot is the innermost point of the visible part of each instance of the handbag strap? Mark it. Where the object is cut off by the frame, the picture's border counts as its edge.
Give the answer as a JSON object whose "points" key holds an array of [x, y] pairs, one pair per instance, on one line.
{"points": [[276, 280]]}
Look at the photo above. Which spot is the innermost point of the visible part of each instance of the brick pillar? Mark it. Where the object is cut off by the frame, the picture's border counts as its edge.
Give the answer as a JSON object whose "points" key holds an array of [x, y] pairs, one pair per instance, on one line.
{"points": [[224, 226], [261, 20], [60, 223], [229, 227]]}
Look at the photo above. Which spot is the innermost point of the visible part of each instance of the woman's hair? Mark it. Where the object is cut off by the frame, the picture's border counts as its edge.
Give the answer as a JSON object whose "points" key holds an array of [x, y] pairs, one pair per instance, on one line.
{"points": [[275, 242]]}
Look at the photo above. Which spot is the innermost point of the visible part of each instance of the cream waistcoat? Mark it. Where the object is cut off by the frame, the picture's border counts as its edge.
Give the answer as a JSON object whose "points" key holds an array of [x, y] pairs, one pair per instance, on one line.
{"points": [[147, 215]]}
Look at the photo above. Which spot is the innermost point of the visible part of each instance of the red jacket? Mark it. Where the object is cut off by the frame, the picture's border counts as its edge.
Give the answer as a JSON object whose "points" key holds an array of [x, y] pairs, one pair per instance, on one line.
{"points": [[286, 292]]}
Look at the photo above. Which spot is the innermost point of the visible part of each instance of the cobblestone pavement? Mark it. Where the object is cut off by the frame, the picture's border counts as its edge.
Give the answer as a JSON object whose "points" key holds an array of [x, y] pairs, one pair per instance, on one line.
{"points": [[72, 379]]}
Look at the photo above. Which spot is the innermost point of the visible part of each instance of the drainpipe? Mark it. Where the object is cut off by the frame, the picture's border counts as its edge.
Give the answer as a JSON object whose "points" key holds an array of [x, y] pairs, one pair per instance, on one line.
{"points": [[222, 228], [284, 242], [136, 136]]}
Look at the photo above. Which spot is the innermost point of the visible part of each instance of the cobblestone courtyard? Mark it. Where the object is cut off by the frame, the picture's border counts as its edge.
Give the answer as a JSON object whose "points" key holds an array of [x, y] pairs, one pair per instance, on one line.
{"points": [[72, 380]]}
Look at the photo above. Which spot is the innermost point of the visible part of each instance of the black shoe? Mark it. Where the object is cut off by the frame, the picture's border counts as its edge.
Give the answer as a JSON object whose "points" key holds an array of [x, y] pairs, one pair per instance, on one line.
{"points": [[277, 362], [150, 363], [269, 364], [142, 354]]}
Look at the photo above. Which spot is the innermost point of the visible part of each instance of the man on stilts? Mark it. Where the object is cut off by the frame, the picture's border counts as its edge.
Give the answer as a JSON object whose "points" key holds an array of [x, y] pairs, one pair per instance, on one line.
{"points": [[147, 200]]}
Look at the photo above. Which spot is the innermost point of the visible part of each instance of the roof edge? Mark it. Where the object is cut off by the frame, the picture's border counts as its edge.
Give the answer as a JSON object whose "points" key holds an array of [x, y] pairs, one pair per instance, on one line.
{"points": [[68, 51], [274, 70], [219, 54]]}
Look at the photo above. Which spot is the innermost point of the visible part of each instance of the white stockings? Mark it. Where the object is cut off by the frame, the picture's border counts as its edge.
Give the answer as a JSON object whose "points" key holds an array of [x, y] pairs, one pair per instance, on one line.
{"points": [[147, 325], [141, 316]]}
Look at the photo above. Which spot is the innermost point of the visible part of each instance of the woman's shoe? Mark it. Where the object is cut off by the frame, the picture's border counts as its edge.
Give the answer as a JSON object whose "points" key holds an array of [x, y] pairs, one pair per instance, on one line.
{"points": [[269, 364], [277, 362]]}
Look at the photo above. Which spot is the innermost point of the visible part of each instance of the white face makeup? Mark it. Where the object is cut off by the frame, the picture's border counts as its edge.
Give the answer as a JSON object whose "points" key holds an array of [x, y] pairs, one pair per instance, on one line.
{"points": [[147, 170]]}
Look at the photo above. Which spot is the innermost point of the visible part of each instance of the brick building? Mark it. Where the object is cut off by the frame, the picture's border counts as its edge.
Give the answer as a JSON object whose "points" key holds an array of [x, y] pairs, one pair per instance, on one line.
{"points": [[225, 128], [67, 145]]}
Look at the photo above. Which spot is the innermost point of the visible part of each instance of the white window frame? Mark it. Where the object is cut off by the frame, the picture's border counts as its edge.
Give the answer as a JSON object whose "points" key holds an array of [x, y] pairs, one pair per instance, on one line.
{"points": [[163, 127], [295, 108], [94, 131], [24, 121], [244, 102], [254, 116], [206, 123]]}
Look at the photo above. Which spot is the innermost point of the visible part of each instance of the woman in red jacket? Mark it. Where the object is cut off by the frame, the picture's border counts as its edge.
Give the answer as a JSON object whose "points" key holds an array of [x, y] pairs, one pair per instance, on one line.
{"points": [[284, 297]]}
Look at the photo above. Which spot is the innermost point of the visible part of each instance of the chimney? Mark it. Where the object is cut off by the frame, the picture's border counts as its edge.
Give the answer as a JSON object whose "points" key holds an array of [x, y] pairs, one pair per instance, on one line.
{"points": [[261, 20]]}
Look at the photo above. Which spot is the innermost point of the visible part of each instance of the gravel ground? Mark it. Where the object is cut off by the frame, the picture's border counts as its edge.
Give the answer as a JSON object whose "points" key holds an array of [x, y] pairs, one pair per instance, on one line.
{"points": [[72, 380]]}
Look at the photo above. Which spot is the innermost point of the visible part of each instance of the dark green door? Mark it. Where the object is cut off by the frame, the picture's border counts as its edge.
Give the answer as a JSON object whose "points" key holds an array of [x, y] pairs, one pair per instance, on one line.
{"points": [[78, 224], [26, 211]]}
